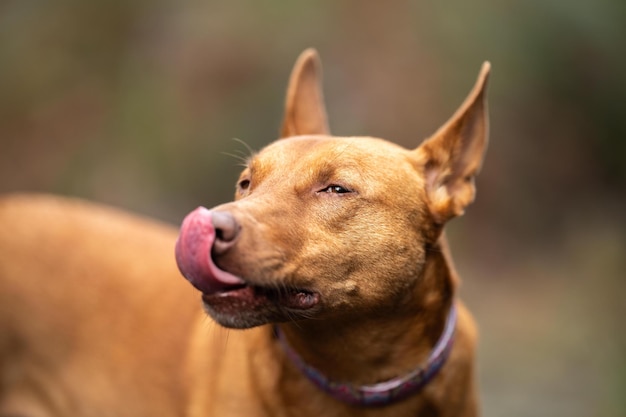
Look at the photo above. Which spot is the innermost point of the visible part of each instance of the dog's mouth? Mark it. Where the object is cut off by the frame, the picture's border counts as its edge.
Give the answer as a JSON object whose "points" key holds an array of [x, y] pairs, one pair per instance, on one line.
{"points": [[221, 290], [251, 297]]}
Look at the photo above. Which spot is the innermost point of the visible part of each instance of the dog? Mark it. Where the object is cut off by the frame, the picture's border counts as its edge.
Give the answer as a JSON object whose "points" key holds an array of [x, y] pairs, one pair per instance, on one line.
{"points": [[332, 257]]}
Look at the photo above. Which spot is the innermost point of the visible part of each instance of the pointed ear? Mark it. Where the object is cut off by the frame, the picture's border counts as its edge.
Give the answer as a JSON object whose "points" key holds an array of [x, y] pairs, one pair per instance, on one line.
{"points": [[305, 112], [453, 156]]}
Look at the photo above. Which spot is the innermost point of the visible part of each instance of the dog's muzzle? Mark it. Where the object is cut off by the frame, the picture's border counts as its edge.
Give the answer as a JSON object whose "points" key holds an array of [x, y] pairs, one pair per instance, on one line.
{"points": [[202, 232]]}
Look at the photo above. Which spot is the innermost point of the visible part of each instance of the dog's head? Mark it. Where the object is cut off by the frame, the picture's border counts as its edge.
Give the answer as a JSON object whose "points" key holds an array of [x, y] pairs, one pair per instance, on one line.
{"points": [[328, 227]]}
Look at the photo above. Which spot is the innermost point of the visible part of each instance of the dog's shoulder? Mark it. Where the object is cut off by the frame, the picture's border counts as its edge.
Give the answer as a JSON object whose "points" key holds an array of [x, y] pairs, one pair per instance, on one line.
{"points": [[45, 214]]}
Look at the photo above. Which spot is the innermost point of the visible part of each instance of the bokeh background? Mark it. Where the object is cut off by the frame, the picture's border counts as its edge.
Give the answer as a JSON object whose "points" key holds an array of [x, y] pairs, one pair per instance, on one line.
{"points": [[136, 104]]}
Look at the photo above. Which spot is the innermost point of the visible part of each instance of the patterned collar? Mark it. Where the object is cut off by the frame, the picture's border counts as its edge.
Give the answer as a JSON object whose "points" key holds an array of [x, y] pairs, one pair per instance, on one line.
{"points": [[387, 392]]}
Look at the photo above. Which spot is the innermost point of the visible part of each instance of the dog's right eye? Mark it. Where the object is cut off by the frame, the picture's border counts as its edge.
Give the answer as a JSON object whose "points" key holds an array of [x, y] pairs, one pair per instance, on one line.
{"points": [[244, 184]]}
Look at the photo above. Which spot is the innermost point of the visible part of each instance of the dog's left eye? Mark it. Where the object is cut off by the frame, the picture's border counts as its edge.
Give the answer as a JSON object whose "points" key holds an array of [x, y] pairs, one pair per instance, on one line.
{"points": [[335, 189]]}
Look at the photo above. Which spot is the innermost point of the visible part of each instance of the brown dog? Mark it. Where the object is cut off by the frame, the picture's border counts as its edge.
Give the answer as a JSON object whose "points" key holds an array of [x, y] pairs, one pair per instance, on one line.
{"points": [[332, 253]]}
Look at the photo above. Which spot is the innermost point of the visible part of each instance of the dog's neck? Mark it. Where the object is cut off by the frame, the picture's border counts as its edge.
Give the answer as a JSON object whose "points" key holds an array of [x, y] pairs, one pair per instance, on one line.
{"points": [[385, 392], [381, 347]]}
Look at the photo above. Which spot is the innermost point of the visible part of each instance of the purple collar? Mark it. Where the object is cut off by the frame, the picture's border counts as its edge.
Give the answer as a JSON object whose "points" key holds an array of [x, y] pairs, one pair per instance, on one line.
{"points": [[387, 392]]}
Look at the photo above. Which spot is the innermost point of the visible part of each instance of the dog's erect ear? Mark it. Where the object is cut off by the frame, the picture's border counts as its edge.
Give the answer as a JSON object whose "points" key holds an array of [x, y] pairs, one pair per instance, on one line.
{"points": [[453, 155], [305, 112]]}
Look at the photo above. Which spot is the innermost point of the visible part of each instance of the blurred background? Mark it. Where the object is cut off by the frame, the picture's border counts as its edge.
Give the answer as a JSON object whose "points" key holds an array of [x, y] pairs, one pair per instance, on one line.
{"points": [[136, 104]]}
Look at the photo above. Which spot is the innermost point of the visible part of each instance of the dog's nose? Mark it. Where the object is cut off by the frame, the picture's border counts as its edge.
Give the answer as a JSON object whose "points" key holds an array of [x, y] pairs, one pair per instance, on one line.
{"points": [[226, 231]]}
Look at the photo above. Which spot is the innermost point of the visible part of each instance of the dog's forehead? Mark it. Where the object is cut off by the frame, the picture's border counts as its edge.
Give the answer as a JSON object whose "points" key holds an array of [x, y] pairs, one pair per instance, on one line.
{"points": [[329, 151]]}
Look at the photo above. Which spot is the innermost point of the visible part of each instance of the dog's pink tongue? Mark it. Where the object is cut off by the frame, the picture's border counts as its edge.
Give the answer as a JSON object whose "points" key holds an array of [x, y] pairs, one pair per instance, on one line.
{"points": [[193, 254]]}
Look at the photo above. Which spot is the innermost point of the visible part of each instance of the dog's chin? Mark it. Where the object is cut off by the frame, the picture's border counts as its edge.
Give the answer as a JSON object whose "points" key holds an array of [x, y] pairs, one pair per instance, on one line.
{"points": [[250, 306]]}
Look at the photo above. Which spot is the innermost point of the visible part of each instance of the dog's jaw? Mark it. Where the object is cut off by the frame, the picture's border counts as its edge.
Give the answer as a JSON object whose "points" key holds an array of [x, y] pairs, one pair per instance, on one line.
{"points": [[254, 306]]}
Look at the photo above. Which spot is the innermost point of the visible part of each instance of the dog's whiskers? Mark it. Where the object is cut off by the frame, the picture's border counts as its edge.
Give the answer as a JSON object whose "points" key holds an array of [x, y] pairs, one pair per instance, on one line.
{"points": [[251, 152], [242, 159]]}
